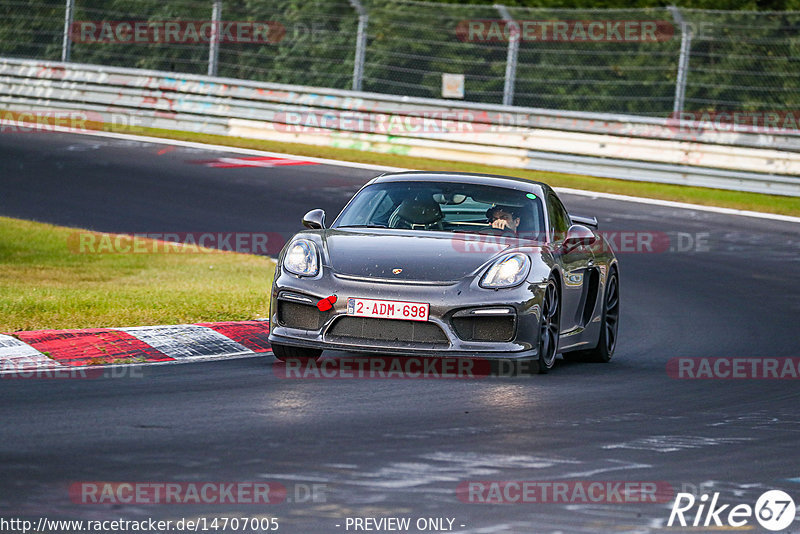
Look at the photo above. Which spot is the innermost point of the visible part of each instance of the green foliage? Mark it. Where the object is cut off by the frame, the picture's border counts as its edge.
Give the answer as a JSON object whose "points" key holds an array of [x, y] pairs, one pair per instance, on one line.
{"points": [[739, 59]]}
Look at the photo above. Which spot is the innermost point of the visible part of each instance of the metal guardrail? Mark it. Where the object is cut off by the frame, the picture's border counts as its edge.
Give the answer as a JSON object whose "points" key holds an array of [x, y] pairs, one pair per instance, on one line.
{"points": [[618, 146], [639, 61]]}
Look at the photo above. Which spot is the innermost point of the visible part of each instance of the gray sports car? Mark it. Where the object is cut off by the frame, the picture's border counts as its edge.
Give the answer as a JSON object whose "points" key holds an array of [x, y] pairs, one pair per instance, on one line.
{"points": [[448, 264]]}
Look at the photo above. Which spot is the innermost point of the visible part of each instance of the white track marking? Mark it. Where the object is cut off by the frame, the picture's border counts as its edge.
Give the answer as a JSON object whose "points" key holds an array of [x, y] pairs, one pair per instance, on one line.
{"points": [[679, 205], [186, 340], [221, 148], [16, 355], [385, 168]]}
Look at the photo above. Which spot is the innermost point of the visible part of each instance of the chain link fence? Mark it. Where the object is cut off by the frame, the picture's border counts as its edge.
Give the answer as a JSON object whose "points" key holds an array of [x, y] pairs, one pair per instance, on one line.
{"points": [[650, 62]]}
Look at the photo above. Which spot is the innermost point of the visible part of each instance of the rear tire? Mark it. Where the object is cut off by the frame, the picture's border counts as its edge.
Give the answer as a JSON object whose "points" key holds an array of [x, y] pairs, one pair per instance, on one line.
{"points": [[288, 352], [607, 343]]}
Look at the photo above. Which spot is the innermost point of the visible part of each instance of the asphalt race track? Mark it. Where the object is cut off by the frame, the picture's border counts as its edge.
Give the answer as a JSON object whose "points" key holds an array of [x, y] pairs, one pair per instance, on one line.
{"points": [[400, 448]]}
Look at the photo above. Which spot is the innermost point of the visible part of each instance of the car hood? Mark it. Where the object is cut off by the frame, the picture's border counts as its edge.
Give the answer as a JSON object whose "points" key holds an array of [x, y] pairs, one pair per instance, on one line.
{"points": [[422, 256]]}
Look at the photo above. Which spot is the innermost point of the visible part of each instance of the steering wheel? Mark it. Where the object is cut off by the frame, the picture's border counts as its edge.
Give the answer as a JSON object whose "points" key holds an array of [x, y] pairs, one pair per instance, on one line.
{"points": [[497, 231]]}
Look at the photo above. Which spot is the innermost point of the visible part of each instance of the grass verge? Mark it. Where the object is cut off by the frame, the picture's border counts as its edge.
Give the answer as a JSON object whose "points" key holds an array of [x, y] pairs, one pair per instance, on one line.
{"points": [[44, 284]]}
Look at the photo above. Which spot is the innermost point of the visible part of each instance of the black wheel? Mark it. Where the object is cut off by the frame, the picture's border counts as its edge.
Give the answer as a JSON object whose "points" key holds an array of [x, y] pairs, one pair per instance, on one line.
{"points": [[608, 329], [286, 352], [549, 330]]}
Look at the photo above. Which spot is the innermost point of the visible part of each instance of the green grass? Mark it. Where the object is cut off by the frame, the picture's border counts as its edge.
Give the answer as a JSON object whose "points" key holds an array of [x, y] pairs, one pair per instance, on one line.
{"points": [[44, 284], [693, 195]]}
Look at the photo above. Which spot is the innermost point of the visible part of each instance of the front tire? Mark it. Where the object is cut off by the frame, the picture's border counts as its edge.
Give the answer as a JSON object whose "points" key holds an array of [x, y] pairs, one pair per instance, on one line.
{"points": [[288, 352], [549, 327]]}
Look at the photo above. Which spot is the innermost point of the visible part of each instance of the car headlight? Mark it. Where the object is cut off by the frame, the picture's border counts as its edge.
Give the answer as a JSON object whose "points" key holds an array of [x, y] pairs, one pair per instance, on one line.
{"points": [[302, 258], [506, 271]]}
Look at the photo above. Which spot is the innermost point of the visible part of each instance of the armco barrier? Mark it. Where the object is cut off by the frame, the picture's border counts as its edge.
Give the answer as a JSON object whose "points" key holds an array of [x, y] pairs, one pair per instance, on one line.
{"points": [[625, 147]]}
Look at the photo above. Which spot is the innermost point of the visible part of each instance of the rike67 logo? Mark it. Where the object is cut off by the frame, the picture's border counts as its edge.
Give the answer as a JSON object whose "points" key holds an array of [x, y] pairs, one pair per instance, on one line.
{"points": [[774, 510]]}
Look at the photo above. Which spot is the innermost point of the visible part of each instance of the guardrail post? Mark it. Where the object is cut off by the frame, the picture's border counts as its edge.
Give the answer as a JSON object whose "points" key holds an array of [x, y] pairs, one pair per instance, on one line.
{"points": [[361, 44], [511, 56], [213, 47], [683, 60], [66, 44]]}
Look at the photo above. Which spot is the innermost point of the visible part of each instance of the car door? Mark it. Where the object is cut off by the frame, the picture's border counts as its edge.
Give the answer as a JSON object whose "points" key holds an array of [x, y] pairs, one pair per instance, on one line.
{"points": [[574, 262]]}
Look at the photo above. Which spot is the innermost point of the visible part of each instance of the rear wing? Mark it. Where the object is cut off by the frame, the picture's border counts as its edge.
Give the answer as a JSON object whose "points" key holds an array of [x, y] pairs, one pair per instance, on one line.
{"points": [[586, 221]]}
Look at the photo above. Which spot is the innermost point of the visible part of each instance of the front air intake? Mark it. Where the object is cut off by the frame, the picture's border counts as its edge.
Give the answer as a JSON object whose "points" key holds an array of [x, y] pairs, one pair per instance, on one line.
{"points": [[481, 328], [297, 315]]}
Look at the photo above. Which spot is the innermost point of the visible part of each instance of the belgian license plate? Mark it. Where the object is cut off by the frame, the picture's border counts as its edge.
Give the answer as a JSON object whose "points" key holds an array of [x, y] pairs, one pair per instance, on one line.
{"points": [[388, 309]]}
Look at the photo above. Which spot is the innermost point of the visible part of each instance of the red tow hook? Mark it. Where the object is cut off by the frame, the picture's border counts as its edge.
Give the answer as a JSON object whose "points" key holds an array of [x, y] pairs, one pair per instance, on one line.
{"points": [[326, 303]]}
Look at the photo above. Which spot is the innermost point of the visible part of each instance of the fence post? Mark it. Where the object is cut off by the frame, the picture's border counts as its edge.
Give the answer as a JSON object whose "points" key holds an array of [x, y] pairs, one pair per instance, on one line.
{"points": [[361, 44], [511, 57], [683, 60], [66, 44], [213, 47]]}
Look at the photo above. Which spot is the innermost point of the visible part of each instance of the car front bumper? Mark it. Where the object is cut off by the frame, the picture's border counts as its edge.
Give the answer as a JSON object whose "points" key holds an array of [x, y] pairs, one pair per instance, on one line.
{"points": [[457, 311]]}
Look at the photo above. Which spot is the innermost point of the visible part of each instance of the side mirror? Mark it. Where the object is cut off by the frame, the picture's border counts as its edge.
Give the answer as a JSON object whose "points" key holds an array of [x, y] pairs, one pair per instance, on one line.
{"points": [[578, 235], [314, 219]]}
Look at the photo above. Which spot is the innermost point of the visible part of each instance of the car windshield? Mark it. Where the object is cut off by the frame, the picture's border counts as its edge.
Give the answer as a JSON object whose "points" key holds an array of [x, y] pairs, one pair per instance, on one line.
{"points": [[445, 207]]}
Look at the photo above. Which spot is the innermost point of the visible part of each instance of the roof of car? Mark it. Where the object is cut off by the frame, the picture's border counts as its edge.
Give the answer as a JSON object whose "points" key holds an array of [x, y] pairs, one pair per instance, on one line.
{"points": [[462, 177]]}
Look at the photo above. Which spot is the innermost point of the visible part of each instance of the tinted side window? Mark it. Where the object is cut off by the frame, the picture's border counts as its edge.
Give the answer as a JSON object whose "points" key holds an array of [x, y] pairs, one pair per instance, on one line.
{"points": [[558, 218]]}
